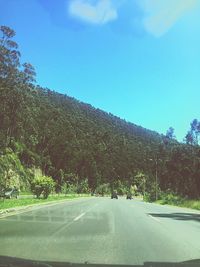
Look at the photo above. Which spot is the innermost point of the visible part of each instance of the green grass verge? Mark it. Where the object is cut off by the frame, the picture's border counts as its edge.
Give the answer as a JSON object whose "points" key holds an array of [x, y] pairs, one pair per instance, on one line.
{"points": [[25, 193], [192, 204], [12, 203]]}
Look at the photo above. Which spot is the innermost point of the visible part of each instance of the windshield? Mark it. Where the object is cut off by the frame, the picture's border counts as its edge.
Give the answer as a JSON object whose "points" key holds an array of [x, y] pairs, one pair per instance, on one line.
{"points": [[99, 131], [8, 189]]}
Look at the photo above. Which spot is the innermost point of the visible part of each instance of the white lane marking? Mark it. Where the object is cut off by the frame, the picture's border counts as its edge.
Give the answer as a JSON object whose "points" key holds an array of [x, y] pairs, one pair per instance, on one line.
{"points": [[78, 217], [156, 219], [82, 214]]}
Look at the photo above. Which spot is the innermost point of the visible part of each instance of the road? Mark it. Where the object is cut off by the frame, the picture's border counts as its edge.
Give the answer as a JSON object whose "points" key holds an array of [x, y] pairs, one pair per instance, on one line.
{"points": [[101, 230]]}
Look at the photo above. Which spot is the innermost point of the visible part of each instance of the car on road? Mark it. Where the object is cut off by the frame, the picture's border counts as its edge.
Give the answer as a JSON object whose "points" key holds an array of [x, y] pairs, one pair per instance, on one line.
{"points": [[10, 193], [114, 195]]}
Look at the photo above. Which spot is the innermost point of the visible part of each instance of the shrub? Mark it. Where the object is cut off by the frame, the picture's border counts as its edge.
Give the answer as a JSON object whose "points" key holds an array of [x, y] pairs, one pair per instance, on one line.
{"points": [[83, 187], [42, 185], [150, 194], [103, 189], [171, 198], [68, 188], [37, 190]]}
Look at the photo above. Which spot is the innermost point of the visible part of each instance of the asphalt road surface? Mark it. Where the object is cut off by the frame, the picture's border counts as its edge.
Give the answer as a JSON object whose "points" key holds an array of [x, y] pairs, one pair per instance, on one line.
{"points": [[101, 230]]}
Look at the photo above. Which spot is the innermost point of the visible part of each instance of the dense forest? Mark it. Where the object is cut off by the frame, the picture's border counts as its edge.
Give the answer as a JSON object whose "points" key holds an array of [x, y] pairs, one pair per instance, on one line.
{"points": [[80, 146]]}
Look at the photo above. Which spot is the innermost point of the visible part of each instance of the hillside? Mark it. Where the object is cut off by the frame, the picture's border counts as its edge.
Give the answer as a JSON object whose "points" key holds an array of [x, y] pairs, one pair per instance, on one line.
{"points": [[73, 142], [55, 132]]}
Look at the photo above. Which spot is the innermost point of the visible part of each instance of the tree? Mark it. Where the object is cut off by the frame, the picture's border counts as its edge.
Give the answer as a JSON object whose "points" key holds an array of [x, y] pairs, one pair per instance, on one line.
{"points": [[189, 138], [195, 129], [9, 55], [14, 86], [59, 181], [140, 180], [28, 73], [170, 133], [193, 135]]}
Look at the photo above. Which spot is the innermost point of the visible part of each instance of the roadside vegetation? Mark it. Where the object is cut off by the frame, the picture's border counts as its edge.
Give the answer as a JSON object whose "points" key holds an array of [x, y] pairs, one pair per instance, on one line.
{"points": [[175, 200], [12, 203], [50, 142]]}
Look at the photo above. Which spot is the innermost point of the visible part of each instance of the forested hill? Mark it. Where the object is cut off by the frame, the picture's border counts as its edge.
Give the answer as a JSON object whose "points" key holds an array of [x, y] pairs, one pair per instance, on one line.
{"points": [[59, 134], [74, 142]]}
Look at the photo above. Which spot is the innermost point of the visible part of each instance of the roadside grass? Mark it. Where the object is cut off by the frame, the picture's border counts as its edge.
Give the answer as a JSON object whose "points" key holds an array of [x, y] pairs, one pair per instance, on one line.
{"points": [[194, 204], [26, 193], [12, 203], [181, 202]]}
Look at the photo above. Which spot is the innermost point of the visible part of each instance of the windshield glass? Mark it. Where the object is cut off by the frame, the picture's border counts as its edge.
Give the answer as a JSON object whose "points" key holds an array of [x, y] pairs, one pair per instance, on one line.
{"points": [[9, 189], [100, 131]]}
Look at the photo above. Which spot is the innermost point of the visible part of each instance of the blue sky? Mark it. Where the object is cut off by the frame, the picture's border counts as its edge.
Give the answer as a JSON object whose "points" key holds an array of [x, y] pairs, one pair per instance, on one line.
{"points": [[138, 59]]}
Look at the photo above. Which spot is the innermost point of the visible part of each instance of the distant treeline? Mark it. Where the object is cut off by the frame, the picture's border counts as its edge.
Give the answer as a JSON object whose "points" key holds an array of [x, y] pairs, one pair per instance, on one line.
{"points": [[73, 142]]}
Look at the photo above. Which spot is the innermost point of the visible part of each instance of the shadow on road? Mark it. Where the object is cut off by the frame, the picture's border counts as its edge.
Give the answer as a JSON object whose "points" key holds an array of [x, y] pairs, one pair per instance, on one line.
{"points": [[178, 216]]}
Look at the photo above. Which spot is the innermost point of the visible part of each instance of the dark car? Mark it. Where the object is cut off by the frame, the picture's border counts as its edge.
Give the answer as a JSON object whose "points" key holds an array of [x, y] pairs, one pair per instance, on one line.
{"points": [[10, 193], [114, 195], [129, 195]]}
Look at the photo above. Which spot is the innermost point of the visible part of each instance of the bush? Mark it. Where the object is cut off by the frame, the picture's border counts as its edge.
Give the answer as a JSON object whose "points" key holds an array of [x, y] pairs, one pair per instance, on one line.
{"points": [[42, 185], [150, 194], [37, 190], [68, 188], [83, 187], [103, 189], [171, 198], [140, 183]]}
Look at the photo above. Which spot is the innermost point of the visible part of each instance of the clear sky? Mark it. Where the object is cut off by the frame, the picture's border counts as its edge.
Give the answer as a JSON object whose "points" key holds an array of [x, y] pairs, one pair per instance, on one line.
{"points": [[138, 59]]}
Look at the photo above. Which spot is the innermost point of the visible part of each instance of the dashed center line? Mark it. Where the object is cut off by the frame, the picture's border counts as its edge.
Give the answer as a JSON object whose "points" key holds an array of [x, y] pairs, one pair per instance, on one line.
{"points": [[156, 219], [78, 217]]}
